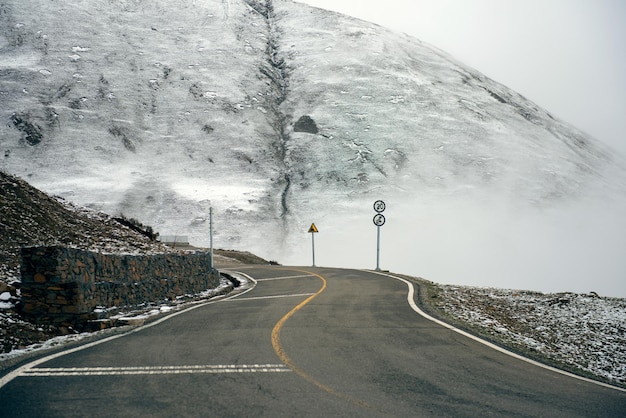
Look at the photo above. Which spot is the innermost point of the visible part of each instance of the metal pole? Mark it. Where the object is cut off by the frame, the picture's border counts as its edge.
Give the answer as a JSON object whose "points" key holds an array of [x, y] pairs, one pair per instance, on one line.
{"points": [[211, 236], [377, 248], [313, 246]]}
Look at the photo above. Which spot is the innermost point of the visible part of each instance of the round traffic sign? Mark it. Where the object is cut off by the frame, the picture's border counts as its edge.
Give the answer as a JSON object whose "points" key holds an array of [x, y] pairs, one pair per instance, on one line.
{"points": [[379, 219], [379, 206]]}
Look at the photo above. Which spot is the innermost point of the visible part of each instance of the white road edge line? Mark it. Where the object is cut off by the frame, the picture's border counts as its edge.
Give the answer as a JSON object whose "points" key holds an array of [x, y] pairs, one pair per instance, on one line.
{"points": [[23, 369], [487, 343]]}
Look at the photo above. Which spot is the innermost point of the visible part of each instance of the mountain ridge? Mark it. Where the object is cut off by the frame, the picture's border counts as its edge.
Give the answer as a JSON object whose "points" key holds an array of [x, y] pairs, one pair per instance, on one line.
{"points": [[161, 113]]}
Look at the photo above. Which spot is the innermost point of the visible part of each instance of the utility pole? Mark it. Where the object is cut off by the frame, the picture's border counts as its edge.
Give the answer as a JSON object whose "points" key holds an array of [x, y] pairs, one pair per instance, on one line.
{"points": [[211, 236]]}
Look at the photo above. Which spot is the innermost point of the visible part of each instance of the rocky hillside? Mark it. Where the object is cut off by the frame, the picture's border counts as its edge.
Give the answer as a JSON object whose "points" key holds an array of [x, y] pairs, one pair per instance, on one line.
{"points": [[30, 217]]}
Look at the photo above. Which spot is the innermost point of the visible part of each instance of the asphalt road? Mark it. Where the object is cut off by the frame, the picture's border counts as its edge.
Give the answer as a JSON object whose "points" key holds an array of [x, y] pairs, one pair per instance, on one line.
{"points": [[302, 342]]}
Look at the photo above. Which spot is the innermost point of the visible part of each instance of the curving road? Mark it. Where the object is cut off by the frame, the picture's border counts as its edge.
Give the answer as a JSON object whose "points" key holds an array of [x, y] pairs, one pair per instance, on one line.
{"points": [[301, 342]]}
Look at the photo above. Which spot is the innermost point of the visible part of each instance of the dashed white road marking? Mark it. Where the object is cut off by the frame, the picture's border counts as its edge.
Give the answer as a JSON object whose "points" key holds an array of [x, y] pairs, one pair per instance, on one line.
{"points": [[155, 370], [270, 297]]}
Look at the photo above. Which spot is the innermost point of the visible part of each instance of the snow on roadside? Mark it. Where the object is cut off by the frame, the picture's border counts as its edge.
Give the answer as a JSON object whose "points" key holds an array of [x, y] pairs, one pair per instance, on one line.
{"points": [[19, 337], [581, 331]]}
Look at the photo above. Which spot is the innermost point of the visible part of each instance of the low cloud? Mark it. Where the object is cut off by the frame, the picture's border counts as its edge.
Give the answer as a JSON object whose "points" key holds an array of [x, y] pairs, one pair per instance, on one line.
{"points": [[574, 246]]}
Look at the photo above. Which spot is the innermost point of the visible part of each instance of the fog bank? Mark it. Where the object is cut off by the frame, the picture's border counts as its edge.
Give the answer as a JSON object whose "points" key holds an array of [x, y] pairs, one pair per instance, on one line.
{"points": [[574, 246]]}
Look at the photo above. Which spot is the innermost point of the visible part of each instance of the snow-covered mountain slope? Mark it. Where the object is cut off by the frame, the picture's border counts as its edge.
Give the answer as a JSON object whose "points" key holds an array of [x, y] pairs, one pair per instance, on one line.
{"points": [[272, 112]]}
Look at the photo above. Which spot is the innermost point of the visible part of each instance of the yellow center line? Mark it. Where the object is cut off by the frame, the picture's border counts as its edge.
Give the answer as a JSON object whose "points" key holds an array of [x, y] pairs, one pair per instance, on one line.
{"points": [[283, 278], [280, 351]]}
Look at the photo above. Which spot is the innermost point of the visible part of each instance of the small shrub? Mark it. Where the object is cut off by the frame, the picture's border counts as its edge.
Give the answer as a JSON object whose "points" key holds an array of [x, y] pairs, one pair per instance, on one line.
{"points": [[138, 227]]}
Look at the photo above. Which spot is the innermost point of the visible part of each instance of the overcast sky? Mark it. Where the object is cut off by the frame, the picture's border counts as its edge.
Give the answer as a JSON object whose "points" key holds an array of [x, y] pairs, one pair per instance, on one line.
{"points": [[568, 56]]}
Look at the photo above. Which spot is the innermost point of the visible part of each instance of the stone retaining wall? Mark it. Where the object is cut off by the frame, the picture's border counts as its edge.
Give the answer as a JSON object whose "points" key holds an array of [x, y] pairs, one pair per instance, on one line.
{"points": [[64, 286]]}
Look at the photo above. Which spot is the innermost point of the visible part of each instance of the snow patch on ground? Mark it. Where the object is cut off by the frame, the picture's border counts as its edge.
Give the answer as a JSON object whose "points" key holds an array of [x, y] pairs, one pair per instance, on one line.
{"points": [[583, 332]]}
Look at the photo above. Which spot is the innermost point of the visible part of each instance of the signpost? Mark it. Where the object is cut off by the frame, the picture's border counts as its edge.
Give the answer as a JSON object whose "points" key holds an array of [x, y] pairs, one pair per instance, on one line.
{"points": [[379, 220], [313, 230]]}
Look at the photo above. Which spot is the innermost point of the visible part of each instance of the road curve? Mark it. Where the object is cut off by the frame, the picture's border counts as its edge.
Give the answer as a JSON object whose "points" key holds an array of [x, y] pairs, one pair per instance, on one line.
{"points": [[301, 342]]}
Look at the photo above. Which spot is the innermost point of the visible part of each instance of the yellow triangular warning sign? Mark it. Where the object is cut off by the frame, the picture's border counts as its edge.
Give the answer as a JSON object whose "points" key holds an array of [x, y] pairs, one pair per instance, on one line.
{"points": [[313, 228]]}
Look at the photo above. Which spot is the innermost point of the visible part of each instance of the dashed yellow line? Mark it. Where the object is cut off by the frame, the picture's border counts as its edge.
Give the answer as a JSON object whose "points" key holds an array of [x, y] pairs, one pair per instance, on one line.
{"points": [[280, 351]]}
